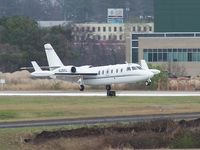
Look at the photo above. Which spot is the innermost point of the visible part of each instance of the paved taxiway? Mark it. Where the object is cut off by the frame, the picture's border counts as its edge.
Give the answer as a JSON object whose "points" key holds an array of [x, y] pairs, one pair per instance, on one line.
{"points": [[98, 93], [82, 121]]}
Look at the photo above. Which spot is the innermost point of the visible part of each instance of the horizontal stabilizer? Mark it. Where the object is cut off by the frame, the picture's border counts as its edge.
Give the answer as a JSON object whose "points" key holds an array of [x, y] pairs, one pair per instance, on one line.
{"points": [[42, 67]]}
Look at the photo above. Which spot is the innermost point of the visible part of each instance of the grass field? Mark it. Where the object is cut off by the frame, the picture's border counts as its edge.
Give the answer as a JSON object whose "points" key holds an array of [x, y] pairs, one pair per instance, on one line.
{"points": [[27, 108]]}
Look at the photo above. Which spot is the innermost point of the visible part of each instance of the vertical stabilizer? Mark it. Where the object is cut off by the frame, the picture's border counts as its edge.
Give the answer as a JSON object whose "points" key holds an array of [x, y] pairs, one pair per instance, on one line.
{"points": [[36, 66], [52, 58]]}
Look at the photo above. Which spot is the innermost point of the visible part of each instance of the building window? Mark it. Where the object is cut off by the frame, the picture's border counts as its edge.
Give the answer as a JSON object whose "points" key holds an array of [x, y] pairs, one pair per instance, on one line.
{"points": [[134, 29], [189, 56], [121, 70], [121, 37], [104, 29], [93, 29], [150, 57], [99, 29], [120, 29], [115, 29], [104, 37], [145, 29], [88, 29], [109, 37], [134, 43], [116, 70], [164, 56], [98, 37], [160, 56], [83, 29], [102, 72], [155, 58], [175, 54], [111, 71]]}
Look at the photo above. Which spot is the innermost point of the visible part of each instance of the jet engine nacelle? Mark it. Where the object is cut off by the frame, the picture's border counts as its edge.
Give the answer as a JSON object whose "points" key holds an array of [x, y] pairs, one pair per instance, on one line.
{"points": [[73, 69], [67, 69]]}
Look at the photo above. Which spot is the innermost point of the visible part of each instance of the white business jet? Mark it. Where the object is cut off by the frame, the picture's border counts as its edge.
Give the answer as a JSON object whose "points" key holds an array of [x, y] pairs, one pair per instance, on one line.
{"points": [[88, 75]]}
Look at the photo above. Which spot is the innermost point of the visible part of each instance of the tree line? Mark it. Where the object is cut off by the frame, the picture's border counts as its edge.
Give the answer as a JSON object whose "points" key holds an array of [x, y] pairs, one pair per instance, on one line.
{"points": [[74, 10], [22, 40]]}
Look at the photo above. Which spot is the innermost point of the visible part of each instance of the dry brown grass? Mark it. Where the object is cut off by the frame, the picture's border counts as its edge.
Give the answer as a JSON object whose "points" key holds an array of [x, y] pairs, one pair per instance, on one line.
{"points": [[21, 80], [155, 134]]}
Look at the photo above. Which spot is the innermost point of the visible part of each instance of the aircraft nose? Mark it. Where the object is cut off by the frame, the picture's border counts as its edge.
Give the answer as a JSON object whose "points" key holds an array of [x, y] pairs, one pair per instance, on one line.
{"points": [[155, 71]]}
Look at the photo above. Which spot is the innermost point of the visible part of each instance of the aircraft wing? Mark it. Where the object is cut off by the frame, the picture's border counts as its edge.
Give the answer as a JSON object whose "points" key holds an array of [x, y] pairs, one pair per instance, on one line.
{"points": [[76, 74], [74, 77]]}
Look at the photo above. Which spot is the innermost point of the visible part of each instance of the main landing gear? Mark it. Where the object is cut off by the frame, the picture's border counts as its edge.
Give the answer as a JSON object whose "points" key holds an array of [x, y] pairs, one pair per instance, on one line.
{"points": [[148, 82], [82, 87], [109, 92], [81, 83]]}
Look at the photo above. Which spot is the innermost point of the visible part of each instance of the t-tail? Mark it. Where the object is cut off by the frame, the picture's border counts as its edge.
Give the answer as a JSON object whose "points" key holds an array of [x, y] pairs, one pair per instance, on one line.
{"points": [[145, 67], [52, 58]]}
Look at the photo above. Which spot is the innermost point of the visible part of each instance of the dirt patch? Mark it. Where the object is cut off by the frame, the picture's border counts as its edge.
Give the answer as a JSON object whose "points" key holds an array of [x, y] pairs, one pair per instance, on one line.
{"points": [[155, 134]]}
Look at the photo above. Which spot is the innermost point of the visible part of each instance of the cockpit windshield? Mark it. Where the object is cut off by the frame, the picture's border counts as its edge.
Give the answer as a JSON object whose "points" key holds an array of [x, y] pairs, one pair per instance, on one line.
{"points": [[136, 68], [139, 67]]}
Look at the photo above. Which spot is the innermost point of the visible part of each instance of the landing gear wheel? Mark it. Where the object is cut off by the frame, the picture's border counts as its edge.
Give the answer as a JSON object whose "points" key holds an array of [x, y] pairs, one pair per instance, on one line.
{"points": [[148, 83], [82, 87], [108, 87]]}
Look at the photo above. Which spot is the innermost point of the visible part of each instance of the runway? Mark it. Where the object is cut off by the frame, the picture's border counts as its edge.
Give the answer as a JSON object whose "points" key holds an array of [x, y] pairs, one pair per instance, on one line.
{"points": [[83, 121], [99, 93]]}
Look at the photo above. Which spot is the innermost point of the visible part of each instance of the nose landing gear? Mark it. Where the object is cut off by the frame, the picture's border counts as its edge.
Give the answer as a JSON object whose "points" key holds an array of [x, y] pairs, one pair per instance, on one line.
{"points": [[81, 83], [109, 92], [148, 82], [108, 87]]}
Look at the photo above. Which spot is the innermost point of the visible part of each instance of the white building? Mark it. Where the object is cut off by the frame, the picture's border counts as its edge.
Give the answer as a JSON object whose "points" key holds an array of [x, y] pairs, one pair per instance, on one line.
{"points": [[108, 31]]}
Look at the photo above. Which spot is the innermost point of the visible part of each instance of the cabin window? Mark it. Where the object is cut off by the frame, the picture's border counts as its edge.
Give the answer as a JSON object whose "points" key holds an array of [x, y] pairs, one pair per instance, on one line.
{"points": [[134, 68], [116, 70], [128, 69], [139, 67], [121, 70]]}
